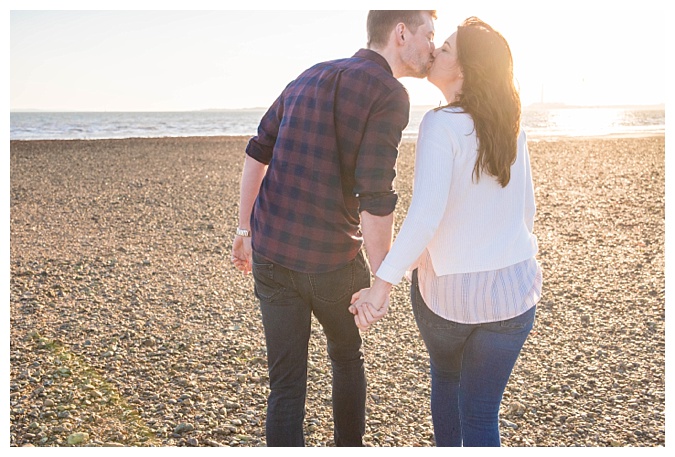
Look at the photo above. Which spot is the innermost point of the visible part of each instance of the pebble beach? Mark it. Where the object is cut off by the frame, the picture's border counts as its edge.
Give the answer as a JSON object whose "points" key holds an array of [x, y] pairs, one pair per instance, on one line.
{"points": [[130, 327]]}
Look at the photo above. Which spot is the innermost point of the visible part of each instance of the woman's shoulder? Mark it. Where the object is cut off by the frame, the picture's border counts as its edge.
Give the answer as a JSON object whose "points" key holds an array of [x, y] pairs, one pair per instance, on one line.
{"points": [[448, 119], [446, 114]]}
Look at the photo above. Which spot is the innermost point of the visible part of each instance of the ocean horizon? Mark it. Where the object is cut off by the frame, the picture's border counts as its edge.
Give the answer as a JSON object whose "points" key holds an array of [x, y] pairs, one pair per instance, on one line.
{"points": [[540, 121]]}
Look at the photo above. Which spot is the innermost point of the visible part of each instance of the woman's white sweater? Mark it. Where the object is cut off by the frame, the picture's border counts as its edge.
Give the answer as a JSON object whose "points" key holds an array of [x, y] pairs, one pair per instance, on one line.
{"points": [[466, 225]]}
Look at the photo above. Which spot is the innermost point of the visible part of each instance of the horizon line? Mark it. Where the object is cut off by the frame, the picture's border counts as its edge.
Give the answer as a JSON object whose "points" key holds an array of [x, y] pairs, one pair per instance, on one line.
{"points": [[257, 108]]}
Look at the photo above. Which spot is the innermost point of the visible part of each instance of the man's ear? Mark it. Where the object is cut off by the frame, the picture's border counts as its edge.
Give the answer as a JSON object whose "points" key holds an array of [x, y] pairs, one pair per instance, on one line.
{"points": [[399, 33]]}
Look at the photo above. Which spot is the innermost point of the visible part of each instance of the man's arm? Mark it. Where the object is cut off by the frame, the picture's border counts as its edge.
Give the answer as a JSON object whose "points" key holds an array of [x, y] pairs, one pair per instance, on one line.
{"points": [[251, 178], [377, 235], [374, 177], [370, 305]]}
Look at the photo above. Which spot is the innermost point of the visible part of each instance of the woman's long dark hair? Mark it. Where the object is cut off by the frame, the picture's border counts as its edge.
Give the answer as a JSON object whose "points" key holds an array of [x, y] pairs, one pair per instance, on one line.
{"points": [[489, 95]]}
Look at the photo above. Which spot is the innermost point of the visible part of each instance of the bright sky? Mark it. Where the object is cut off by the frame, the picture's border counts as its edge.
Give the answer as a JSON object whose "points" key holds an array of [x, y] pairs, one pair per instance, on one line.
{"points": [[161, 60]]}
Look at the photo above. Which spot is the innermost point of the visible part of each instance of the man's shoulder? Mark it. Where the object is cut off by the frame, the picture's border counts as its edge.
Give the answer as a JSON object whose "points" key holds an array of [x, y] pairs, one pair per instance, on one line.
{"points": [[353, 78], [363, 67]]}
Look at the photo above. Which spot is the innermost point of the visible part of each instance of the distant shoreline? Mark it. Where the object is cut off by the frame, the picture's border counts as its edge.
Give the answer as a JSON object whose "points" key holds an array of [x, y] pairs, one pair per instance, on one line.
{"points": [[533, 106], [537, 122]]}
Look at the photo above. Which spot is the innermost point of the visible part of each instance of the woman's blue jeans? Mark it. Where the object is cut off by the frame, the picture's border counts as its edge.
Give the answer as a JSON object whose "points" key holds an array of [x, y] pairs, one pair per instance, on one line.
{"points": [[470, 367], [287, 301]]}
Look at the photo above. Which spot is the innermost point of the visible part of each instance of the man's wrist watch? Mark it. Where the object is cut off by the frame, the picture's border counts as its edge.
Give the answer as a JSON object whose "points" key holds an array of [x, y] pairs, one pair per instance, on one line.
{"points": [[243, 232]]}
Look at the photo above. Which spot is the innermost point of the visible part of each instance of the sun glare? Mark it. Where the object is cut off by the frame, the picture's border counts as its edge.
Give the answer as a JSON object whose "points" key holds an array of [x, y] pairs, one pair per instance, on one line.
{"points": [[600, 121]]}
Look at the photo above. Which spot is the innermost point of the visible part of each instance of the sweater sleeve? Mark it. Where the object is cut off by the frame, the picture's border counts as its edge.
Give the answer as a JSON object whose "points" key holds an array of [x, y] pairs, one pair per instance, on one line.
{"points": [[433, 173], [530, 206]]}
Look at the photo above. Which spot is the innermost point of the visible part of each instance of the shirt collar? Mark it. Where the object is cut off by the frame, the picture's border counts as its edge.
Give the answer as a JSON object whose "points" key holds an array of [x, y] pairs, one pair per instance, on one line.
{"points": [[375, 57]]}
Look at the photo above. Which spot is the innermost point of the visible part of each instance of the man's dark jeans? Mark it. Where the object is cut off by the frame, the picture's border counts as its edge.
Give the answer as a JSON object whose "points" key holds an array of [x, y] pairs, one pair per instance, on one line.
{"points": [[287, 301]]}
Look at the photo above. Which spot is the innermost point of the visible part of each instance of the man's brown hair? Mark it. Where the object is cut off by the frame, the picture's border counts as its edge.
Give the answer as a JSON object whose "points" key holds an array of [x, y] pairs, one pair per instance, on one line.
{"points": [[381, 22]]}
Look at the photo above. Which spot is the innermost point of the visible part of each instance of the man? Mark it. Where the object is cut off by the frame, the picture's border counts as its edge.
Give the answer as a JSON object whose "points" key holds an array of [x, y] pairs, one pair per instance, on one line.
{"points": [[317, 184]]}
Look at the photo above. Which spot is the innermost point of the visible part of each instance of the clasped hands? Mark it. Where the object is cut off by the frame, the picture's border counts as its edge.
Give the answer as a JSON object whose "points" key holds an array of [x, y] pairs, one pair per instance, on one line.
{"points": [[371, 304]]}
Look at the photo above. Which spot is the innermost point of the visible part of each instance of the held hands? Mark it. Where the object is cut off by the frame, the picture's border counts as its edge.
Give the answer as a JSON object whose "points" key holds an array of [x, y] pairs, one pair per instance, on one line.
{"points": [[370, 305], [241, 254]]}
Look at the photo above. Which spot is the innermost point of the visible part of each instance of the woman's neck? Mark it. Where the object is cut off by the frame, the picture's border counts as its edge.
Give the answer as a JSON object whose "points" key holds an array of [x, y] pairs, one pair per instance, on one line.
{"points": [[451, 91]]}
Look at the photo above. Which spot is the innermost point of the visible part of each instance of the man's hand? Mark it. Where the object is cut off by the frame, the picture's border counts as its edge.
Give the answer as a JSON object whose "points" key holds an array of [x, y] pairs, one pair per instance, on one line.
{"points": [[365, 312], [241, 254], [370, 305]]}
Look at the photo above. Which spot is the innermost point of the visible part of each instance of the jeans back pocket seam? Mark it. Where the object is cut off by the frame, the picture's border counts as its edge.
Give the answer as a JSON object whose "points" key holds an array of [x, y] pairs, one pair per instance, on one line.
{"points": [[316, 290], [264, 270]]}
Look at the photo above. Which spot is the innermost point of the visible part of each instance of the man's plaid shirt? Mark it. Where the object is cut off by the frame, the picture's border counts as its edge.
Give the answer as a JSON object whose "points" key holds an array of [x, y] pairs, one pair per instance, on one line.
{"points": [[331, 141]]}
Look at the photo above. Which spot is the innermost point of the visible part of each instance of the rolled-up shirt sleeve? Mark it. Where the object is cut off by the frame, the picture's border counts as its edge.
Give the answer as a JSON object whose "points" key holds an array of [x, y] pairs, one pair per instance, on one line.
{"points": [[261, 146], [376, 164]]}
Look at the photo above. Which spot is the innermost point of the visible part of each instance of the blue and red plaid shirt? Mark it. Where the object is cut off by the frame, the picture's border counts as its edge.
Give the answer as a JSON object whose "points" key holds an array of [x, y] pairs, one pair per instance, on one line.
{"points": [[331, 142]]}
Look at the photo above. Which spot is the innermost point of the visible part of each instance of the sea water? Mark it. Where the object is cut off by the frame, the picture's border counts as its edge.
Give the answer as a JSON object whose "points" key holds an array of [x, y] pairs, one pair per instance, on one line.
{"points": [[537, 123]]}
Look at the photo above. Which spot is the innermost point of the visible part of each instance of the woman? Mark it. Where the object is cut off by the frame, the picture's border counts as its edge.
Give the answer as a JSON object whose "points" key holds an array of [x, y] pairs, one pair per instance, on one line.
{"points": [[468, 236]]}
